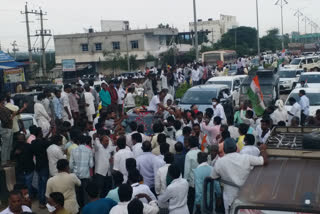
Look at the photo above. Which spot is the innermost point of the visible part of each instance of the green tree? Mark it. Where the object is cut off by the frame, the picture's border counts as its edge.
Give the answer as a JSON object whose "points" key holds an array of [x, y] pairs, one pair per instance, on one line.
{"points": [[242, 39], [271, 41]]}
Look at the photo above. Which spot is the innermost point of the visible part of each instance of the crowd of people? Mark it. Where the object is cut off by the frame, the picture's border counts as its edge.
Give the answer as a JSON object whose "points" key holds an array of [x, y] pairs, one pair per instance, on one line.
{"points": [[89, 158]]}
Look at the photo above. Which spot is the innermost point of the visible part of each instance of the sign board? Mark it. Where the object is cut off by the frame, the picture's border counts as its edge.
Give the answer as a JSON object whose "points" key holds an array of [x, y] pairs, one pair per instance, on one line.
{"points": [[68, 65], [14, 75]]}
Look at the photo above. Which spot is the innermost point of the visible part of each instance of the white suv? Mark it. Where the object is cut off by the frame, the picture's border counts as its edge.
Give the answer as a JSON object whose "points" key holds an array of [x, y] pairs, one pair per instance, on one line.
{"points": [[289, 79], [311, 63]]}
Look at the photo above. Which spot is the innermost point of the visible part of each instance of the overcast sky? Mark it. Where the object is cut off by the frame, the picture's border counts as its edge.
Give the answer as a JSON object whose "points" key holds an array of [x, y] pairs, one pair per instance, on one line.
{"points": [[72, 16]]}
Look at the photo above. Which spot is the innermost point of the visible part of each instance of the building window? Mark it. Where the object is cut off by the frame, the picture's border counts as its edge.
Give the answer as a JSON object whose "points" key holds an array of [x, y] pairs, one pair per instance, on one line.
{"points": [[116, 45], [98, 47], [85, 47], [134, 44]]}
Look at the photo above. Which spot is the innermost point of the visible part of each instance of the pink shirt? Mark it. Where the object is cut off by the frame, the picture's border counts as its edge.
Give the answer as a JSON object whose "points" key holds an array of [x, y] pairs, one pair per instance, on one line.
{"points": [[213, 132]]}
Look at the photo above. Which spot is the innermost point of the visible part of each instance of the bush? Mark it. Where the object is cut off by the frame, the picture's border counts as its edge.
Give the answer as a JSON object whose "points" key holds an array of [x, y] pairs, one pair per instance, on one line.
{"points": [[182, 89]]}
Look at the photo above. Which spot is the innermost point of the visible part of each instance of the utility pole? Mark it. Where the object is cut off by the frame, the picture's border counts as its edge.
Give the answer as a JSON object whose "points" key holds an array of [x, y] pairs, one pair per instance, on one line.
{"points": [[281, 3], [14, 49], [26, 12], [195, 30], [258, 37], [128, 58], [298, 14]]}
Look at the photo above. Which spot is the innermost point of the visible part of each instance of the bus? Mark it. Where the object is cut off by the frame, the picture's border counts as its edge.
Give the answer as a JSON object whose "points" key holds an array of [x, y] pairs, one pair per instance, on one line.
{"points": [[224, 56]]}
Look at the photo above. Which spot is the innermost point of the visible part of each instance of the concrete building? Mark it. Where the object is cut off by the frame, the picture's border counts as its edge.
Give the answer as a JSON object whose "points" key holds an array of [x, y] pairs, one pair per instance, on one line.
{"points": [[216, 27], [89, 47], [114, 25]]}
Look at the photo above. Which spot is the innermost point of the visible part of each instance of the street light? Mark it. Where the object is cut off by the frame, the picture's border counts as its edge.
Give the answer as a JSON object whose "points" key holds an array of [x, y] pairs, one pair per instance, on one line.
{"points": [[195, 29], [258, 38], [281, 3]]}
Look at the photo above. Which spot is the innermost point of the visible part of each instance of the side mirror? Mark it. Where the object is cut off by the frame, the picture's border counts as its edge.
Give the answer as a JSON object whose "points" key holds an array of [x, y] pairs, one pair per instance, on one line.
{"points": [[177, 101], [298, 75], [223, 100]]}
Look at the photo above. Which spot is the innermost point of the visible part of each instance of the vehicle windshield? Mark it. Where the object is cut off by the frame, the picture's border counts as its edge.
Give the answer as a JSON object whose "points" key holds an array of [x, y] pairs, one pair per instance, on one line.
{"points": [[199, 97], [27, 123], [314, 98], [228, 83], [310, 78], [295, 62], [287, 74]]}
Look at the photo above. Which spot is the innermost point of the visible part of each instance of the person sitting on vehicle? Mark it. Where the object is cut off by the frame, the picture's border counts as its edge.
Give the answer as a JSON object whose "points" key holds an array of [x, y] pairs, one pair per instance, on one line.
{"points": [[239, 166]]}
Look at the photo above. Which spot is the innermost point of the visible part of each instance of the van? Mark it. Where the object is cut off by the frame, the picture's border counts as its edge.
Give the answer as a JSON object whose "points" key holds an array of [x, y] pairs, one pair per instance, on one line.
{"points": [[310, 63], [233, 82]]}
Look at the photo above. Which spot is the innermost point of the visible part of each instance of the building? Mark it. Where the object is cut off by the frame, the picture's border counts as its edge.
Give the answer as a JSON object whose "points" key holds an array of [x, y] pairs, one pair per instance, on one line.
{"points": [[216, 27], [114, 25], [89, 47]]}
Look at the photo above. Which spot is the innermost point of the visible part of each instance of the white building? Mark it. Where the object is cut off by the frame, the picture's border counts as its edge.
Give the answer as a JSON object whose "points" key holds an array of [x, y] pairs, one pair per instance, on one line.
{"points": [[216, 27]]}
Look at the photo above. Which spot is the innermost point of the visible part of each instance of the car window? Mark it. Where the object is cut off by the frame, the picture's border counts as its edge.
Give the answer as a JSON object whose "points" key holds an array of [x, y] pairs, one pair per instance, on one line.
{"points": [[236, 82], [303, 61], [314, 98], [27, 123], [310, 61], [198, 97], [310, 78]]}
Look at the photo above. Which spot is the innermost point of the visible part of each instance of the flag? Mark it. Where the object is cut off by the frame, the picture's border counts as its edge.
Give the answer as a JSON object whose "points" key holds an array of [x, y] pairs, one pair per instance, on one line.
{"points": [[256, 97]]}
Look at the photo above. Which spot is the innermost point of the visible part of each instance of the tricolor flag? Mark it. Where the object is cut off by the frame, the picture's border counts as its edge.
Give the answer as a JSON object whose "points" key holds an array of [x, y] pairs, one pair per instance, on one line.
{"points": [[256, 97]]}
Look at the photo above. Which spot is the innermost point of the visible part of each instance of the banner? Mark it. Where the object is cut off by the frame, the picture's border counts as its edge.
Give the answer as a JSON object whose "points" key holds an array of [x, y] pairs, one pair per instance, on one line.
{"points": [[68, 65], [13, 75]]}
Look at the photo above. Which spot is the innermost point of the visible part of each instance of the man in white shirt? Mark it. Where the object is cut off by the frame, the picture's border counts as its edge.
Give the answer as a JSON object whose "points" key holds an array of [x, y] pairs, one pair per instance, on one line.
{"points": [[233, 169], [120, 157], [160, 180], [191, 163], [295, 110], [125, 195], [121, 94], [250, 148], [218, 110], [156, 102], [137, 144], [103, 153], [54, 153], [133, 179], [164, 80], [305, 104], [15, 204], [195, 75], [176, 192], [263, 131], [66, 111]]}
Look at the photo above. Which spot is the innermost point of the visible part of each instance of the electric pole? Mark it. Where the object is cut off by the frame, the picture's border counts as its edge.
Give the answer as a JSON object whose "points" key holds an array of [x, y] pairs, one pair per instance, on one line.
{"points": [[26, 12], [258, 37], [14, 49], [281, 3], [298, 14], [195, 30]]}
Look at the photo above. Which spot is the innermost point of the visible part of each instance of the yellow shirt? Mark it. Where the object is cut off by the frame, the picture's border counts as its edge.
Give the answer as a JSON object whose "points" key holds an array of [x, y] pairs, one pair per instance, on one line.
{"points": [[73, 146], [240, 143]]}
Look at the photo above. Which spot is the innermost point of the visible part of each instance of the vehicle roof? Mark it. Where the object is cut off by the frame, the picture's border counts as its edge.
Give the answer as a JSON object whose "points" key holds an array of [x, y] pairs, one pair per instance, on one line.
{"points": [[310, 73], [223, 78], [307, 90], [307, 57], [283, 183], [291, 69], [208, 87]]}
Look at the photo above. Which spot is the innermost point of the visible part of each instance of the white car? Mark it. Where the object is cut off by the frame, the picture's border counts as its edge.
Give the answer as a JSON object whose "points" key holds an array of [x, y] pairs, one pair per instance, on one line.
{"points": [[233, 82], [311, 79], [314, 97], [28, 120], [311, 63], [288, 79]]}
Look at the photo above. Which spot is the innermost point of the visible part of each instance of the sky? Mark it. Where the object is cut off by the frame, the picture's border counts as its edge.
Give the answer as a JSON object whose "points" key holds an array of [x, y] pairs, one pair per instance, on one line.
{"points": [[74, 16]]}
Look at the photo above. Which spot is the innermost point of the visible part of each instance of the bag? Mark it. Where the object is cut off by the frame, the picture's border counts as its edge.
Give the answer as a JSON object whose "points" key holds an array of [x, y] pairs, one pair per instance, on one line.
{"points": [[311, 141]]}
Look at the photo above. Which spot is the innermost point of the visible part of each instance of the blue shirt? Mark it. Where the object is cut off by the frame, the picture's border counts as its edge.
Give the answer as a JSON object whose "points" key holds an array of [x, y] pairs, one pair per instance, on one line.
{"points": [[103, 206], [57, 107], [105, 98], [81, 160], [113, 194]]}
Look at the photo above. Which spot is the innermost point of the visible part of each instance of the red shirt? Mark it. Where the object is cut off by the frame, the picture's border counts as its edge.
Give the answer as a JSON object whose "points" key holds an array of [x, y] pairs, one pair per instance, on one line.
{"points": [[114, 95]]}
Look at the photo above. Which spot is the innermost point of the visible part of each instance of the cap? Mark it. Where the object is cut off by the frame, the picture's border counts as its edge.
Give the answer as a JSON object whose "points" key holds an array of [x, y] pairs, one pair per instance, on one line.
{"points": [[103, 82]]}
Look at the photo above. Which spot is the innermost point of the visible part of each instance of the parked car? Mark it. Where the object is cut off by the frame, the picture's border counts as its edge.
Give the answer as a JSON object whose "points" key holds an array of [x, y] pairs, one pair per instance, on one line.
{"points": [[233, 82], [202, 96], [289, 79], [28, 120], [310, 63], [314, 97], [312, 79], [26, 97]]}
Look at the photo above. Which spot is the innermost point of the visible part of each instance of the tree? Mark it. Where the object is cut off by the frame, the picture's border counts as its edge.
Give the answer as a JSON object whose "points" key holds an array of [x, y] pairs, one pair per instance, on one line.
{"points": [[242, 39], [163, 25], [271, 41]]}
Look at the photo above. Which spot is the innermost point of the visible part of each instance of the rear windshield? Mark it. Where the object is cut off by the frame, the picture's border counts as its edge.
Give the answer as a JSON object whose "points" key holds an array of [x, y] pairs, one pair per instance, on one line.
{"points": [[198, 97]]}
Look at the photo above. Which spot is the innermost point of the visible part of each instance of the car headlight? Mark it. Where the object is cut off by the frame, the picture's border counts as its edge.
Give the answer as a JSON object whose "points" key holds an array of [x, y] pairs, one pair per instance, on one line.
{"points": [[286, 82]]}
